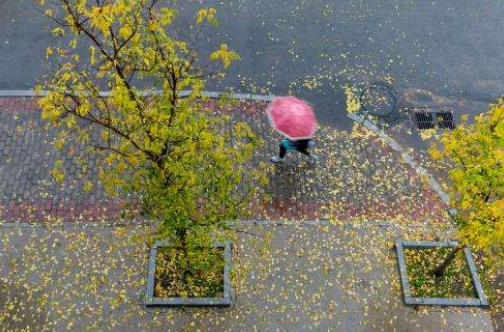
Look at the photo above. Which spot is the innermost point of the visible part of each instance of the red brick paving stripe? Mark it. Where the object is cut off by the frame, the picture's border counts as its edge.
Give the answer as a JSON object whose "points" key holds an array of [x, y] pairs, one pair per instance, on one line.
{"points": [[47, 210], [432, 208]]}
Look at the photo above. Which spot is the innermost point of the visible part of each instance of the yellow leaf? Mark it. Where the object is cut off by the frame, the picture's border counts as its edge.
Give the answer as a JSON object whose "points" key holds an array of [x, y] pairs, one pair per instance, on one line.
{"points": [[92, 52], [58, 31], [125, 32], [73, 43], [435, 153], [153, 26], [49, 52], [200, 16], [88, 186], [38, 89], [59, 144], [66, 76], [208, 14], [167, 15], [225, 55], [58, 175]]}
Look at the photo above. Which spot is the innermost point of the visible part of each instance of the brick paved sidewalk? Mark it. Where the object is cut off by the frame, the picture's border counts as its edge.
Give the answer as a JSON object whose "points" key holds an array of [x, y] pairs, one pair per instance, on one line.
{"points": [[28, 192], [355, 176]]}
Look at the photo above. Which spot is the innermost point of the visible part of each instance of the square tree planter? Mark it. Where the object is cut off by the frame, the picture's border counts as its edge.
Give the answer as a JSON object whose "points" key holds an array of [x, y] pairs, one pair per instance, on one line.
{"points": [[151, 301], [480, 301]]}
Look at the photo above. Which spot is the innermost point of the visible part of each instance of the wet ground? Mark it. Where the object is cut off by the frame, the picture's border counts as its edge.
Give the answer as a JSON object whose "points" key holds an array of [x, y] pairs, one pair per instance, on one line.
{"points": [[451, 48], [356, 176], [292, 277]]}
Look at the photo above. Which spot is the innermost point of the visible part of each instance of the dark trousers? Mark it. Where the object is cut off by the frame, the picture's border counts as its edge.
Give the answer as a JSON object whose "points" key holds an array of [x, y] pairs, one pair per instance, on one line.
{"points": [[300, 146]]}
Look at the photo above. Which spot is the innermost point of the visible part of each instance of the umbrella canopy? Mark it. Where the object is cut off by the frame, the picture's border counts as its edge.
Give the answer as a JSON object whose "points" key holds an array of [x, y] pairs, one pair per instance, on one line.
{"points": [[292, 117]]}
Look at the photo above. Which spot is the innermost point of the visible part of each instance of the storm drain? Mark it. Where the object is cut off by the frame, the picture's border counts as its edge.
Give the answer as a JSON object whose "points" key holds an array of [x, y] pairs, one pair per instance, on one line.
{"points": [[431, 119]]}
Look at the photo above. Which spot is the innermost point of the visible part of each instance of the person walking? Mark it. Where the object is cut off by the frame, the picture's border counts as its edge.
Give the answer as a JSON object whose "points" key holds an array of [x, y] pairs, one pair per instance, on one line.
{"points": [[301, 146], [294, 119]]}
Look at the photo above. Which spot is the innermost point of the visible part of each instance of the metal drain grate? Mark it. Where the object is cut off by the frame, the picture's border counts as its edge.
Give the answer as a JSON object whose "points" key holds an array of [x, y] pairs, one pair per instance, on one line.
{"points": [[424, 120], [430, 119], [445, 120]]}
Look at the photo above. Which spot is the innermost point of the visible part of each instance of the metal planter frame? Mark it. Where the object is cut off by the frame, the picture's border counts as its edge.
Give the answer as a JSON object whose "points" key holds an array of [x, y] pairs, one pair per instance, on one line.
{"points": [[225, 301], [480, 301]]}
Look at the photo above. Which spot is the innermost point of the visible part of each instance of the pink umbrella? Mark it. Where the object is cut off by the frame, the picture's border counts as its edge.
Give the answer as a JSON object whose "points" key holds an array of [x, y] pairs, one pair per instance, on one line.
{"points": [[292, 117]]}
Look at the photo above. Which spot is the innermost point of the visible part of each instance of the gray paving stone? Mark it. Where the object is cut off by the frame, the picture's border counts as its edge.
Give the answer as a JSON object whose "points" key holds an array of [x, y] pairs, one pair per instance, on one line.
{"points": [[305, 278]]}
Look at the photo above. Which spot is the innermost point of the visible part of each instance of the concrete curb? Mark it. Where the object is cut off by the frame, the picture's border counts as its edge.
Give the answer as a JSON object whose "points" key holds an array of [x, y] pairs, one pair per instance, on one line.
{"points": [[407, 158], [245, 222], [184, 93], [325, 223]]}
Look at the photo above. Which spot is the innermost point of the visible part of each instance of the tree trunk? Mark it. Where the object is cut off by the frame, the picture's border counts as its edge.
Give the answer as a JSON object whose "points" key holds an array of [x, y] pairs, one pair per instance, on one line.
{"points": [[440, 270], [185, 256]]}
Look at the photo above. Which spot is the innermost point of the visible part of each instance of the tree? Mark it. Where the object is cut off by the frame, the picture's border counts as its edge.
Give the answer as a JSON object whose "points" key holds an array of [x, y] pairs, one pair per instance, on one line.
{"points": [[182, 161], [477, 182]]}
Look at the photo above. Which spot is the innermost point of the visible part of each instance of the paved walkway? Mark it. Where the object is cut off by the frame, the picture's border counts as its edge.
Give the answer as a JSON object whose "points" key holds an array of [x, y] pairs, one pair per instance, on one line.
{"points": [[291, 275], [27, 157], [298, 277], [355, 177]]}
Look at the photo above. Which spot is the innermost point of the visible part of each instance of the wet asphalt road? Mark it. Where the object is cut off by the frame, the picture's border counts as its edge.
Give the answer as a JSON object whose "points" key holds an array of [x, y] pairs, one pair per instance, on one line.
{"points": [[452, 48]]}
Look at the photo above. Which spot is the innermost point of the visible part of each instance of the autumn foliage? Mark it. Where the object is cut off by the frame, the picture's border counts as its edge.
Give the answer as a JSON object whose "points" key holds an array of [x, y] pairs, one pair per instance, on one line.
{"points": [[476, 151], [183, 162]]}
